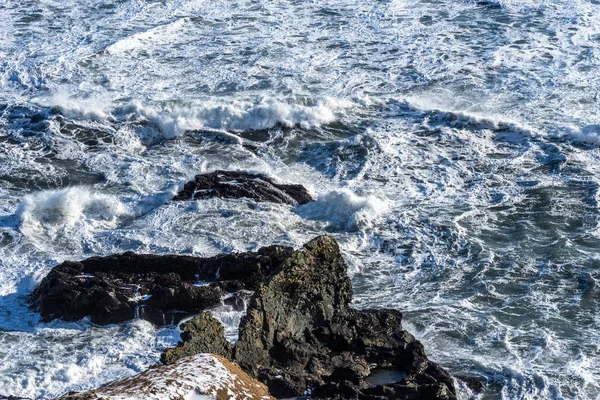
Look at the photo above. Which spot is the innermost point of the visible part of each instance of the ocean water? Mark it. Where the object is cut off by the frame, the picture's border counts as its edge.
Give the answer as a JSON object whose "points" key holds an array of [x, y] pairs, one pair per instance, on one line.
{"points": [[452, 147]]}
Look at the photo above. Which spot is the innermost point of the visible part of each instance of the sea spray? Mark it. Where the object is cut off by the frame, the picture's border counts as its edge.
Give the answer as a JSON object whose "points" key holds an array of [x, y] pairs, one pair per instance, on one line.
{"points": [[341, 209], [63, 215]]}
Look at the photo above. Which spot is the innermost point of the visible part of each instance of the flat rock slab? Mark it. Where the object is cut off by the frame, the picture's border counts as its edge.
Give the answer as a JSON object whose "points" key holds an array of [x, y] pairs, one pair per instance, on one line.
{"points": [[160, 289], [237, 184], [202, 376]]}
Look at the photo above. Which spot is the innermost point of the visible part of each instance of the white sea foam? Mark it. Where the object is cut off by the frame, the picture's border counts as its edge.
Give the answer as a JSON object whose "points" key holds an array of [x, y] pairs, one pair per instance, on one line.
{"points": [[78, 356], [464, 148], [585, 134], [443, 109], [94, 108], [344, 210], [240, 115], [174, 119], [60, 214], [153, 36]]}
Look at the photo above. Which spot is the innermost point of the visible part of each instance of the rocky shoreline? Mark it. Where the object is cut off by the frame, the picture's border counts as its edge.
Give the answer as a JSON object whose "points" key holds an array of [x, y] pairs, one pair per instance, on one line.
{"points": [[299, 335]]}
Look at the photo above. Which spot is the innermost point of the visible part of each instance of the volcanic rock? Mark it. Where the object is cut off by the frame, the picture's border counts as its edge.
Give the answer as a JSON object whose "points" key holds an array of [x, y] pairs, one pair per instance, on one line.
{"points": [[202, 334], [237, 184], [160, 289], [300, 336]]}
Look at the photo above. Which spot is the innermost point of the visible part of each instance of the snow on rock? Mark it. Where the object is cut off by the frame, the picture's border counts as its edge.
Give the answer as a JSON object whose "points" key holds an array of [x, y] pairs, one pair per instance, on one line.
{"points": [[202, 376]]}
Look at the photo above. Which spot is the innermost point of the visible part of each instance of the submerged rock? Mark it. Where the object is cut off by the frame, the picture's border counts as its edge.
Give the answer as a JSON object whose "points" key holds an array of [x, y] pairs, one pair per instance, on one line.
{"points": [[160, 289], [202, 376], [237, 184], [475, 383]]}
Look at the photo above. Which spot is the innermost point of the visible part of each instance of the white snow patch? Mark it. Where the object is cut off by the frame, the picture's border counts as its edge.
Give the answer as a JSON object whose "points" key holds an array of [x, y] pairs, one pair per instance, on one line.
{"points": [[191, 378]]}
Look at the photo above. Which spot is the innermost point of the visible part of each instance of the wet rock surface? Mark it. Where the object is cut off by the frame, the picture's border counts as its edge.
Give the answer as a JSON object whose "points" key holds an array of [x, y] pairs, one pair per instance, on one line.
{"points": [[161, 289], [474, 383], [300, 336], [237, 184]]}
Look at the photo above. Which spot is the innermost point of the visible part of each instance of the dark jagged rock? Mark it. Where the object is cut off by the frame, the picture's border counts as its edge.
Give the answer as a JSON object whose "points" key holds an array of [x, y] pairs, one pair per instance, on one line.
{"points": [[300, 336], [236, 184], [202, 334], [162, 289], [474, 383]]}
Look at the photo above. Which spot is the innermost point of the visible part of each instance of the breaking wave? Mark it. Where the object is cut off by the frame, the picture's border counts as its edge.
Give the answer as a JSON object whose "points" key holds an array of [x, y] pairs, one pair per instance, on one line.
{"points": [[67, 213], [344, 210]]}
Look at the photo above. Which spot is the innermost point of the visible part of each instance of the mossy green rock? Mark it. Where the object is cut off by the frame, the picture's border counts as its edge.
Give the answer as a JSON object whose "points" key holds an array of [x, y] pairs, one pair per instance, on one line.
{"points": [[300, 335], [202, 334]]}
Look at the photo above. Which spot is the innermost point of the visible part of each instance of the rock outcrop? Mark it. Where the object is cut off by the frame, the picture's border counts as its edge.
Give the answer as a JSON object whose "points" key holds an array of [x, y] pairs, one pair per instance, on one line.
{"points": [[160, 289], [202, 334], [300, 336], [236, 184], [202, 376]]}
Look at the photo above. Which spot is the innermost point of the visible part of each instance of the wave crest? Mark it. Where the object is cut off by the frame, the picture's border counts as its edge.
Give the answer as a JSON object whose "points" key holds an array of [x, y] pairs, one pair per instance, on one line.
{"points": [[240, 116], [68, 213], [344, 210]]}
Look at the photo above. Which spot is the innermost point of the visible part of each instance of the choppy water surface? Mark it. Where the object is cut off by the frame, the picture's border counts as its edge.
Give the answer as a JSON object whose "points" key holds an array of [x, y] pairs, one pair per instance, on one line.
{"points": [[452, 145]]}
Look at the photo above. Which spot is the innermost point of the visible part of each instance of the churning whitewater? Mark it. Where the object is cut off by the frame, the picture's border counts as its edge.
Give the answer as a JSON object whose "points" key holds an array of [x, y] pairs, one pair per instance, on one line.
{"points": [[451, 147]]}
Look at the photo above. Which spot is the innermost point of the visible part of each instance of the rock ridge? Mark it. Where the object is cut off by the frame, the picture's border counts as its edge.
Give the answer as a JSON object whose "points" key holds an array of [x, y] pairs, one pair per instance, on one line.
{"points": [[161, 289], [238, 184]]}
